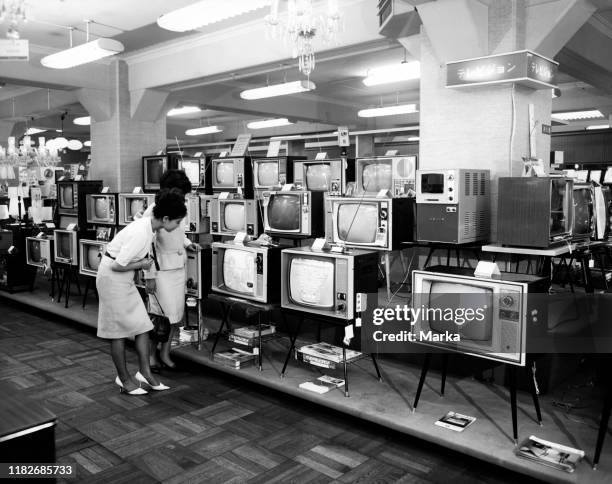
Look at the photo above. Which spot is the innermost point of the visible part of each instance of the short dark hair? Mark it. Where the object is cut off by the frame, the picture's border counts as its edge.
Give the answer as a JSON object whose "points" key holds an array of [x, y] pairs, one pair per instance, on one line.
{"points": [[175, 179], [170, 203]]}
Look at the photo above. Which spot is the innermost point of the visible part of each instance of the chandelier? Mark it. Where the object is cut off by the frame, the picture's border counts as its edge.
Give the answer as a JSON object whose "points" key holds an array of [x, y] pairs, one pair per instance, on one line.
{"points": [[305, 23], [13, 11]]}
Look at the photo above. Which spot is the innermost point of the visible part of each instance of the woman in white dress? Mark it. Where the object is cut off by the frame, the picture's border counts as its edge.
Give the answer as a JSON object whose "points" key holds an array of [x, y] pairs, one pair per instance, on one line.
{"points": [[168, 283], [121, 312]]}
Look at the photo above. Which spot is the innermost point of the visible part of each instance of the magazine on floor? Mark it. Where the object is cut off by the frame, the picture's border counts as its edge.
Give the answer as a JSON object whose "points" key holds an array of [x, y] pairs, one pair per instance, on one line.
{"points": [[323, 384], [550, 453], [455, 421]]}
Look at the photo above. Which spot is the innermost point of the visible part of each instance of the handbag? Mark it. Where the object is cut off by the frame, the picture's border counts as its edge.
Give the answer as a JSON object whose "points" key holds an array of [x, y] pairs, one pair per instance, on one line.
{"points": [[161, 325]]}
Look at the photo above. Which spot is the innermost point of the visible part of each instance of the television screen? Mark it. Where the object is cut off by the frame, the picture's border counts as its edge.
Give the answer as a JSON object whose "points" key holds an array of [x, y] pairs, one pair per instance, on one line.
{"points": [[267, 173], [233, 217], [137, 205], [239, 270], [101, 208], [155, 167], [558, 216], [224, 173], [93, 257], [454, 296], [358, 222], [64, 247], [311, 282], [192, 170], [284, 212], [432, 183], [595, 176], [35, 255], [582, 211], [67, 196], [317, 176], [376, 177]]}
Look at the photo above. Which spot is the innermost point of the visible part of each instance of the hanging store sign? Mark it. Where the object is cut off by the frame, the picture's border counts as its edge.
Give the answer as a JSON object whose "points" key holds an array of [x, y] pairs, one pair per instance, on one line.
{"points": [[14, 49], [522, 67]]}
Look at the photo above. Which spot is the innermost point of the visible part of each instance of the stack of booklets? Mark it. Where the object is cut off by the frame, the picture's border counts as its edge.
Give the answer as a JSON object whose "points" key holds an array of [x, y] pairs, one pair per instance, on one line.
{"points": [[325, 355], [235, 358], [455, 421], [550, 454], [249, 335], [323, 384]]}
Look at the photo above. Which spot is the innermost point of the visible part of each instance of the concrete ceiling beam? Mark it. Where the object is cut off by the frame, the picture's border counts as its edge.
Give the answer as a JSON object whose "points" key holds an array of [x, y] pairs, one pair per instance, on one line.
{"points": [[36, 104]]}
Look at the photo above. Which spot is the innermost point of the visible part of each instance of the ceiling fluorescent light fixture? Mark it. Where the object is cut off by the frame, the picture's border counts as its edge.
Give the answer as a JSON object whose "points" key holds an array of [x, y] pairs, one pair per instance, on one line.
{"points": [[278, 90], [287, 137], [82, 54], [598, 126], [207, 12], [184, 110], [388, 111], [574, 115], [82, 121], [269, 123], [31, 131], [203, 130], [87, 143], [405, 71]]}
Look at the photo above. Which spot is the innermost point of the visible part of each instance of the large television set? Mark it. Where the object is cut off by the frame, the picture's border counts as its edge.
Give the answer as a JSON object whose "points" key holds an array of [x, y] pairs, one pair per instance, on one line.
{"points": [[71, 197], [369, 223], [232, 175], [583, 221], [534, 211], [66, 247], [293, 214], [329, 176], [195, 169], [101, 208], [272, 173], [329, 283], [506, 314], [393, 173], [232, 215], [249, 271], [152, 169], [90, 256], [133, 205], [198, 273], [39, 251]]}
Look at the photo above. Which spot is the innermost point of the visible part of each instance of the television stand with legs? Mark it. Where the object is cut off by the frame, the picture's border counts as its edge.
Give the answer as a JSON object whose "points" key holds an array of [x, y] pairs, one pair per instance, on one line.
{"points": [[512, 369], [67, 274], [323, 361]]}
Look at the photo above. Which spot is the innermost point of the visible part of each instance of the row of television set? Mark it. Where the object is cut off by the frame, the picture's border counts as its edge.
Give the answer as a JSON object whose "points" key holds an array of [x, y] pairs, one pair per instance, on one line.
{"points": [[253, 175]]}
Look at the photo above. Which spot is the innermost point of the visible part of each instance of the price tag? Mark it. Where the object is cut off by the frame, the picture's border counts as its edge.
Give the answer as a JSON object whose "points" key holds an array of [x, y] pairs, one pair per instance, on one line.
{"points": [[241, 145], [71, 226], [40, 235], [50, 225], [160, 152], [240, 238], [105, 190], [343, 136], [358, 322], [223, 154], [224, 195], [383, 194], [321, 156], [137, 190], [391, 153], [78, 177], [287, 187], [256, 350], [198, 154], [318, 245], [348, 334], [337, 249], [274, 148], [61, 178]]}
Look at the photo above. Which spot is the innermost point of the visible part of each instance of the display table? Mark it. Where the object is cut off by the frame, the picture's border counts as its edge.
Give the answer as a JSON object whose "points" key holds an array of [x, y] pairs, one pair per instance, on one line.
{"points": [[472, 247]]}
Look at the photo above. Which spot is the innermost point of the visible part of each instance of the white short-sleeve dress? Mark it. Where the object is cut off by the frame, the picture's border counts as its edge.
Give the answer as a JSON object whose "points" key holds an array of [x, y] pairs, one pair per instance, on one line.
{"points": [[121, 311]]}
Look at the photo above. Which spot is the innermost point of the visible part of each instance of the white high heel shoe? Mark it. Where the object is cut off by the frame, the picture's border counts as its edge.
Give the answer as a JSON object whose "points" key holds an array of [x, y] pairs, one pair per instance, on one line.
{"points": [[159, 387], [136, 391]]}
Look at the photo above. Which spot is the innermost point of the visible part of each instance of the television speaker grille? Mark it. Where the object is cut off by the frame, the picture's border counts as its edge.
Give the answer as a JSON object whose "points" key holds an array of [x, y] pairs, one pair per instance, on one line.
{"points": [[468, 183]]}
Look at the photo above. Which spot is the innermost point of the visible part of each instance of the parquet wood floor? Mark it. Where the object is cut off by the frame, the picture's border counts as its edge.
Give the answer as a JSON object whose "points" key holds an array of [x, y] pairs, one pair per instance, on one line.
{"points": [[209, 428]]}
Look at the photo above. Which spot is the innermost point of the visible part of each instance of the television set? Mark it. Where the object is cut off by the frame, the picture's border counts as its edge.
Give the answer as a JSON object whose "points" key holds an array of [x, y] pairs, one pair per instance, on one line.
{"points": [[249, 271], [272, 173], [541, 206], [506, 313], [595, 176], [232, 175], [395, 174], [194, 222], [232, 215], [583, 221], [198, 273], [369, 223], [453, 205], [293, 214], [329, 283], [133, 205], [71, 197], [195, 169], [602, 210], [101, 208], [90, 256], [39, 251], [152, 169], [329, 176], [66, 247]]}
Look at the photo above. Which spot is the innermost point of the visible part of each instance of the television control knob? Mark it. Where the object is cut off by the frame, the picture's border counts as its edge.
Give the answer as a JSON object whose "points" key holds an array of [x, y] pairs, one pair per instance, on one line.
{"points": [[450, 198], [508, 301], [190, 283], [450, 189], [341, 307]]}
